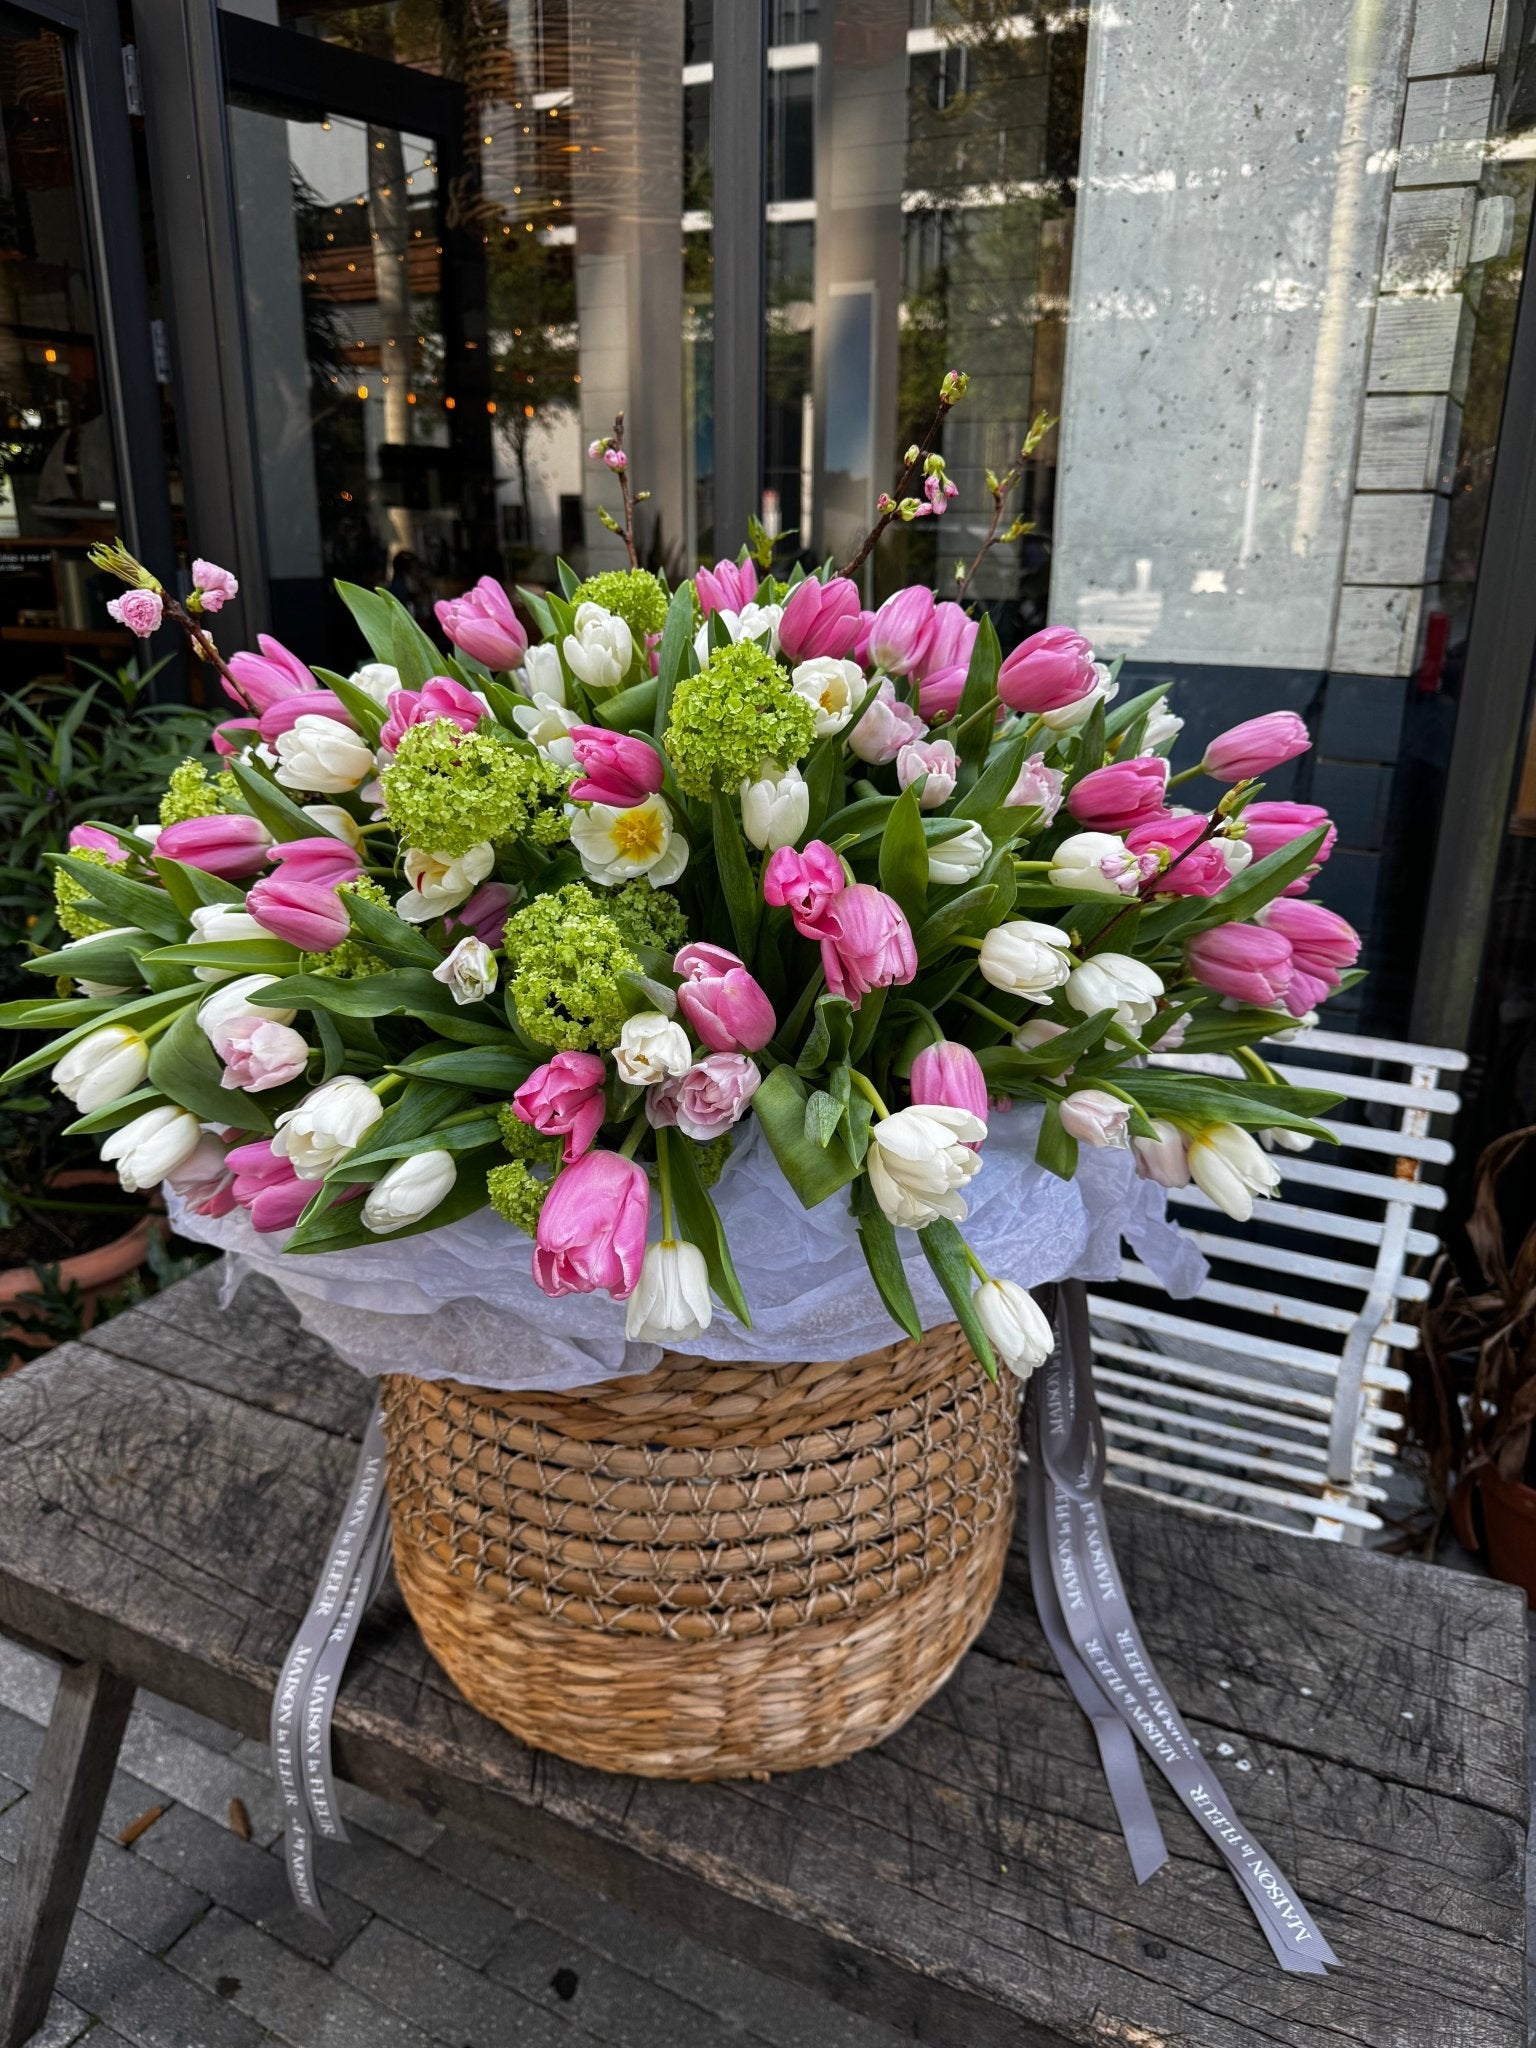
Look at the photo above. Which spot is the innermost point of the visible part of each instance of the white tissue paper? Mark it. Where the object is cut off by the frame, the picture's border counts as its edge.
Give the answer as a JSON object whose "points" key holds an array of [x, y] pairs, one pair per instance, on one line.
{"points": [[460, 1303]]}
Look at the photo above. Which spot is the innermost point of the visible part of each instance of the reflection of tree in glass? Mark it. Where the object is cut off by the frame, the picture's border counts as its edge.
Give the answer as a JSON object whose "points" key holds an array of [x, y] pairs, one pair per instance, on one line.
{"points": [[532, 317]]}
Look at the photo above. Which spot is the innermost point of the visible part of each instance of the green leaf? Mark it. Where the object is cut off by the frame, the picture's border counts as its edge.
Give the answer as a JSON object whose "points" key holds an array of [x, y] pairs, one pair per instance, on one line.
{"points": [[338, 1226], [700, 1221], [951, 917], [191, 889], [123, 1111], [1262, 882], [412, 653], [39, 1013], [498, 1070], [273, 806], [813, 1172], [1124, 716], [823, 784], [1206, 1098], [144, 1010], [108, 956], [743, 903], [823, 1114], [877, 1237], [543, 617], [980, 691], [830, 1035], [243, 956], [866, 1022], [333, 1050], [904, 857], [631, 710], [986, 793], [365, 713], [676, 646], [1056, 1148], [570, 582], [1007, 1067], [382, 928], [372, 1161], [375, 620], [125, 902], [399, 991], [944, 1249], [185, 1067]]}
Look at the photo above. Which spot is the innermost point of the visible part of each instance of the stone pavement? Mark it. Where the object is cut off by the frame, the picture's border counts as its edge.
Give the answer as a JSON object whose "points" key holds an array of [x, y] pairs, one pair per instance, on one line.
{"points": [[188, 1939]]}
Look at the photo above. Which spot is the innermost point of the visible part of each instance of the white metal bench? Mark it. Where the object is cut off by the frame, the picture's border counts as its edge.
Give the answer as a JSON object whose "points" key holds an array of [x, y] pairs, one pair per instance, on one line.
{"points": [[1270, 1395]]}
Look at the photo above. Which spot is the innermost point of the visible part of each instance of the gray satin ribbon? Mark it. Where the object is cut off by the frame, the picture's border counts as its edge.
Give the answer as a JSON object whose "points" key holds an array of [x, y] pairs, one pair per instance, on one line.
{"points": [[1073, 1563], [305, 1698]]}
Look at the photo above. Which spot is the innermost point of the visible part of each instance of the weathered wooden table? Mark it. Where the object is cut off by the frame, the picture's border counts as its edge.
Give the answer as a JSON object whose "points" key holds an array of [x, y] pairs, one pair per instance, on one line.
{"points": [[165, 1492]]}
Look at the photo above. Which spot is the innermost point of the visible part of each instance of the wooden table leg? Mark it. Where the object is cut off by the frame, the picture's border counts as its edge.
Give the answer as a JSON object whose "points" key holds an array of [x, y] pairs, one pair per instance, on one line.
{"points": [[79, 1756]]}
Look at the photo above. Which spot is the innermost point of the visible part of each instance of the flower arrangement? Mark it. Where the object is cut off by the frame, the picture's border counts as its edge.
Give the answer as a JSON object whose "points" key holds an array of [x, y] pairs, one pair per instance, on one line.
{"points": [[541, 923]]}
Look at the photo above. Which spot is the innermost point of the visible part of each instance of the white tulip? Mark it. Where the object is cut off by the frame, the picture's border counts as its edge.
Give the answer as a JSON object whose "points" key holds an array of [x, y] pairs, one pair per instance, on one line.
{"points": [[1229, 1167], [775, 808], [1237, 853], [440, 882], [93, 989], [102, 1067], [831, 687], [1096, 864], [322, 753], [1118, 982], [615, 846], [152, 1146], [214, 924], [378, 679], [411, 1189], [1095, 1117], [750, 623], [651, 1048], [1279, 1140], [1068, 717], [600, 649], [1015, 1324], [469, 972], [919, 1160], [1164, 1159], [542, 673], [547, 722], [232, 999], [1025, 959], [1162, 726], [330, 1122], [148, 833], [671, 1300], [334, 821], [961, 859], [1037, 1032]]}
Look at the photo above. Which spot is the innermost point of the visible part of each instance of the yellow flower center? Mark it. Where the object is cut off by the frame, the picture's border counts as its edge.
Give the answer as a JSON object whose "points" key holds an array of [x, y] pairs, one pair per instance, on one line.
{"points": [[638, 834]]}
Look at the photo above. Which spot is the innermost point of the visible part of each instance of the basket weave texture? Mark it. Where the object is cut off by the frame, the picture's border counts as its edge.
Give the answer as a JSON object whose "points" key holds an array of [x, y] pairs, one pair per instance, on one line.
{"points": [[713, 1570]]}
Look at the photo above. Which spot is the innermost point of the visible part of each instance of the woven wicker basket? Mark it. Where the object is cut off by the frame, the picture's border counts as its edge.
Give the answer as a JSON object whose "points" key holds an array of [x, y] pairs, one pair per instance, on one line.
{"points": [[712, 1571]]}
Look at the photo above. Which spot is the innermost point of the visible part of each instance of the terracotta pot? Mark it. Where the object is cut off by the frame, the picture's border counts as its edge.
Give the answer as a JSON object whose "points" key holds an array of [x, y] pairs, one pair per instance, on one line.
{"points": [[96, 1273], [1498, 1517]]}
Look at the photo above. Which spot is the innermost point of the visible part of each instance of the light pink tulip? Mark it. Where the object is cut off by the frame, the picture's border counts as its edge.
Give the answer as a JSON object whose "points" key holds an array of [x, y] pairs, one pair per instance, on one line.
{"points": [[259, 1053], [438, 697], [615, 769], [92, 838], [886, 727], [861, 633], [592, 1227], [1095, 1117], [484, 624], [1243, 961], [721, 1001], [950, 1074], [485, 913], [139, 610], [1123, 794], [726, 587], [707, 1100], [1323, 943], [322, 860], [564, 1099], [938, 761], [1256, 746], [215, 587], [285, 714], [1269, 826], [1049, 670], [1163, 1160], [225, 846], [807, 883], [262, 679], [307, 914], [1039, 787], [819, 618], [1202, 872], [866, 943], [902, 629], [204, 1181]]}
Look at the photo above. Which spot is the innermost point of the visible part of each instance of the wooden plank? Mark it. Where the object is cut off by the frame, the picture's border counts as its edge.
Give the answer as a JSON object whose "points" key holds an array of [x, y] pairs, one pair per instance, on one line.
{"points": [[1408, 443], [1445, 130], [964, 1881], [1429, 239], [1449, 35]]}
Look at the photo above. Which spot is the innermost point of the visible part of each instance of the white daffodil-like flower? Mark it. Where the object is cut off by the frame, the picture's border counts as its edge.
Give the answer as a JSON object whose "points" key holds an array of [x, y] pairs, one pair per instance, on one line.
{"points": [[831, 687], [469, 972], [321, 753], [102, 1067], [671, 1301], [750, 623], [1026, 959], [961, 859], [651, 1048], [919, 1160], [152, 1146], [1118, 982], [775, 808], [378, 679], [547, 722], [330, 1122], [1015, 1324], [1228, 1165], [440, 884], [600, 649], [615, 846], [412, 1188]]}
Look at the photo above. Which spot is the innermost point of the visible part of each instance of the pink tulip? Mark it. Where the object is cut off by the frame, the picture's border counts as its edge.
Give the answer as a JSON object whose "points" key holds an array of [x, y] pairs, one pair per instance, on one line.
{"points": [[1123, 794], [1202, 871], [225, 846], [1038, 787], [721, 1001], [1307, 992], [307, 914], [267, 1186], [707, 1100], [1048, 671], [902, 629], [235, 735], [819, 618], [564, 1099], [92, 838], [324, 860], [592, 1227], [1268, 827], [204, 1181], [615, 769], [726, 587], [485, 913], [950, 1074], [886, 727], [285, 714], [1256, 746], [484, 624], [215, 587], [438, 697], [861, 633], [1243, 961], [1095, 1117], [1324, 944], [938, 761], [262, 679], [866, 943], [139, 610], [939, 694], [807, 883], [259, 1053], [951, 642]]}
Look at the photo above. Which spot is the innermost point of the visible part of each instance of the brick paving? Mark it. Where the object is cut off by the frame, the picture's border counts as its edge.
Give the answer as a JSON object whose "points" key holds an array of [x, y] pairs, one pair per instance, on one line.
{"points": [[188, 1938]]}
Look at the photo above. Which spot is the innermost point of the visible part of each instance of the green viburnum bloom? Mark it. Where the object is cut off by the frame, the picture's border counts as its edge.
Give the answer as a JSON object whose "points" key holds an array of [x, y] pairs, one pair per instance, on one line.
{"points": [[352, 960], [448, 790], [191, 793], [517, 1194], [565, 954], [525, 1143], [68, 895], [711, 1156], [650, 919], [736, 713], [632, 595]]}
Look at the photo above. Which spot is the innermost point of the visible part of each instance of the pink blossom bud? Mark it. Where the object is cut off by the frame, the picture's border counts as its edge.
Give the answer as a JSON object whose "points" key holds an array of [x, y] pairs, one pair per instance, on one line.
{"points": [[484, 624], [259, 1053], [902, 628], [285, 714], [807, 883], [485, 913], [1038, 787], [728, 587], [1324, 944], [262, 679], [950, 1074], [886, 727], [592, 1227], [438, 697], [721, 1001], [322, 860], [616, 459], [1256, 746], [1095, 1117], [1049, 670], [214, 586], [225, 846], [615, 769], [819, 619], [935, 759], [1123, 794], [564, 1099], [307, 914], [92, 838], [139, 610], [1243, 961], [595, 450], [1269, 826], [866, 943], [708, 1099]]}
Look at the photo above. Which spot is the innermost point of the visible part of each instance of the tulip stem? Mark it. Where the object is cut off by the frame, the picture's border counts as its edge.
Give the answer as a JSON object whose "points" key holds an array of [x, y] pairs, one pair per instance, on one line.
{"points": [[867, 1089], [632, 1137], [964, 939], [664, 1182], [802, 1009], [1257, 1067], [991, 1015], [975, 1264], [1034, 866], [927, 1018], [1186, 775], [987, 710], [387, 1084]]}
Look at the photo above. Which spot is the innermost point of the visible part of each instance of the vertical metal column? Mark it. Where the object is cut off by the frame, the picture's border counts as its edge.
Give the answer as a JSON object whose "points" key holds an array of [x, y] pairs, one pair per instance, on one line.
{"points": [[738, 129]]}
